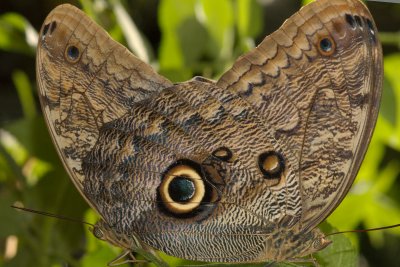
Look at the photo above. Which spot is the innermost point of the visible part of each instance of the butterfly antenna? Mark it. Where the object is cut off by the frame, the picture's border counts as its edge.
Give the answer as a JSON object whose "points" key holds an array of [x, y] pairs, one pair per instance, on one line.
{"points": [[386, 1], [366, 230], [51, 215]]}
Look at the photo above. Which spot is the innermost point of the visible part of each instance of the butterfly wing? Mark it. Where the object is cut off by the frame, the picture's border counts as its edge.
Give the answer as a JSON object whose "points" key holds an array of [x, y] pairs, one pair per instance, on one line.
{"points": [[317, 83], [275, 143], [85, 79]]}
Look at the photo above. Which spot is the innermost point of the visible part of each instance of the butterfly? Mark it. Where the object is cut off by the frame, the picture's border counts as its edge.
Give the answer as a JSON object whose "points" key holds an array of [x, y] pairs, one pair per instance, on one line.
{"points": [[242, 169]]}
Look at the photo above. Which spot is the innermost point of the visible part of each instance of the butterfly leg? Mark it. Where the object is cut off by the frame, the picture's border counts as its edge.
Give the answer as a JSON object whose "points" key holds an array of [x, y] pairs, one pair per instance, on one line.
{"points": [[314, 261], [270, 264], [120, 259], [309, 261]]}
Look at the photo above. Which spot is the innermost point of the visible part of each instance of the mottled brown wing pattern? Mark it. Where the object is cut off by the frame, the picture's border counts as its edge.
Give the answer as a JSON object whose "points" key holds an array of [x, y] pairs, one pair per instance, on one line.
{"points": [[174, 126], [238, 170], [323, 105], [295, 103], [85, 79]]}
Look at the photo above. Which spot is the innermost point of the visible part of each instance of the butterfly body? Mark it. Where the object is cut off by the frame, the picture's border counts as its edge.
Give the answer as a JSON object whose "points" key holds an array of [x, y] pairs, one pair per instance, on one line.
{"points": [[238, 170]]}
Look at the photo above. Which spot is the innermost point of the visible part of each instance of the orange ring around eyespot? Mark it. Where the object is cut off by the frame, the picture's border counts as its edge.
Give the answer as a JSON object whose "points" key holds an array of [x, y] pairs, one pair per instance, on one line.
{"points": [[332, 48], [189, 173]]}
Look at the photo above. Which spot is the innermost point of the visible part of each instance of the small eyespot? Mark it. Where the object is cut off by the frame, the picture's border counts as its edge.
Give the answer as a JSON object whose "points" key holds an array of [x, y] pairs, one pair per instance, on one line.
{"points": [[223, 154], [326, 46], [359, 21], [350, 20], [72, 54], [182, 189], [271, 164]]}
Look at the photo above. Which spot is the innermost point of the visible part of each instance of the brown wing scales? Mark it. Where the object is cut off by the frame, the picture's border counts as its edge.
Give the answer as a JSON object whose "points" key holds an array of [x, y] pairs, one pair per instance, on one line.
{"points": [[323, 106], [86, 79], [276, 141]]}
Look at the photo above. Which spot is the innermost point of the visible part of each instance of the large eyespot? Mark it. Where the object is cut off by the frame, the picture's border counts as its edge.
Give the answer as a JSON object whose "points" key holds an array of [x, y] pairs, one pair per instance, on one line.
{"points": [[223, 154], [72, 54], [182, 188], [326, 46], [272, 165]]}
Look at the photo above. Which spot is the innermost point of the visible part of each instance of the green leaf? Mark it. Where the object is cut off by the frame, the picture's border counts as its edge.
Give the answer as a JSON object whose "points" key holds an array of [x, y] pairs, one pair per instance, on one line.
{"points": [[171, 55], [220, 26], [391, 66], [249, 19], [388, 102], [180, 48], [340, 252], [25, 93], [306, 2], [16, 34], [132, 35]]}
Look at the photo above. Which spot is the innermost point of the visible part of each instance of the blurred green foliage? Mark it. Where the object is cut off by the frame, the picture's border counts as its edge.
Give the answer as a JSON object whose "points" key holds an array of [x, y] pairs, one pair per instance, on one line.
{"points": [[196, 39]]}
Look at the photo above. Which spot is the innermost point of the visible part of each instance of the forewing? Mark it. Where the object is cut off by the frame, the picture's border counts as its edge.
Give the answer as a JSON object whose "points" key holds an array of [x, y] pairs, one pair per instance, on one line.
{"points": [[322, 104], [85, 80], [189, 122]]}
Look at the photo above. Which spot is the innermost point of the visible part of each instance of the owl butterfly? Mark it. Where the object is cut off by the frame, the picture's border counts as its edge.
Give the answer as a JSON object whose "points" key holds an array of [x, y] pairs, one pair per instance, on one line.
{"points": [[241, 169]]}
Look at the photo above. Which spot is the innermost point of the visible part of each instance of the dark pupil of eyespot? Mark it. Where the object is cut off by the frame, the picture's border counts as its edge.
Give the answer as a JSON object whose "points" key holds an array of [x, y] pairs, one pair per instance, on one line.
{"points": [[181, 189], [326, 44], [73, 52]]}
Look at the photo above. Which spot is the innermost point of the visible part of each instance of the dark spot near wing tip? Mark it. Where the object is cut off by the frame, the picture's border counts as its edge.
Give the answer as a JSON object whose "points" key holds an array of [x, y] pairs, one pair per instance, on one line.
{"points": [[53, 26], [45, 29], [370, 26], [371, 29], [350, 20], [359, 21], [49, 28]]}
